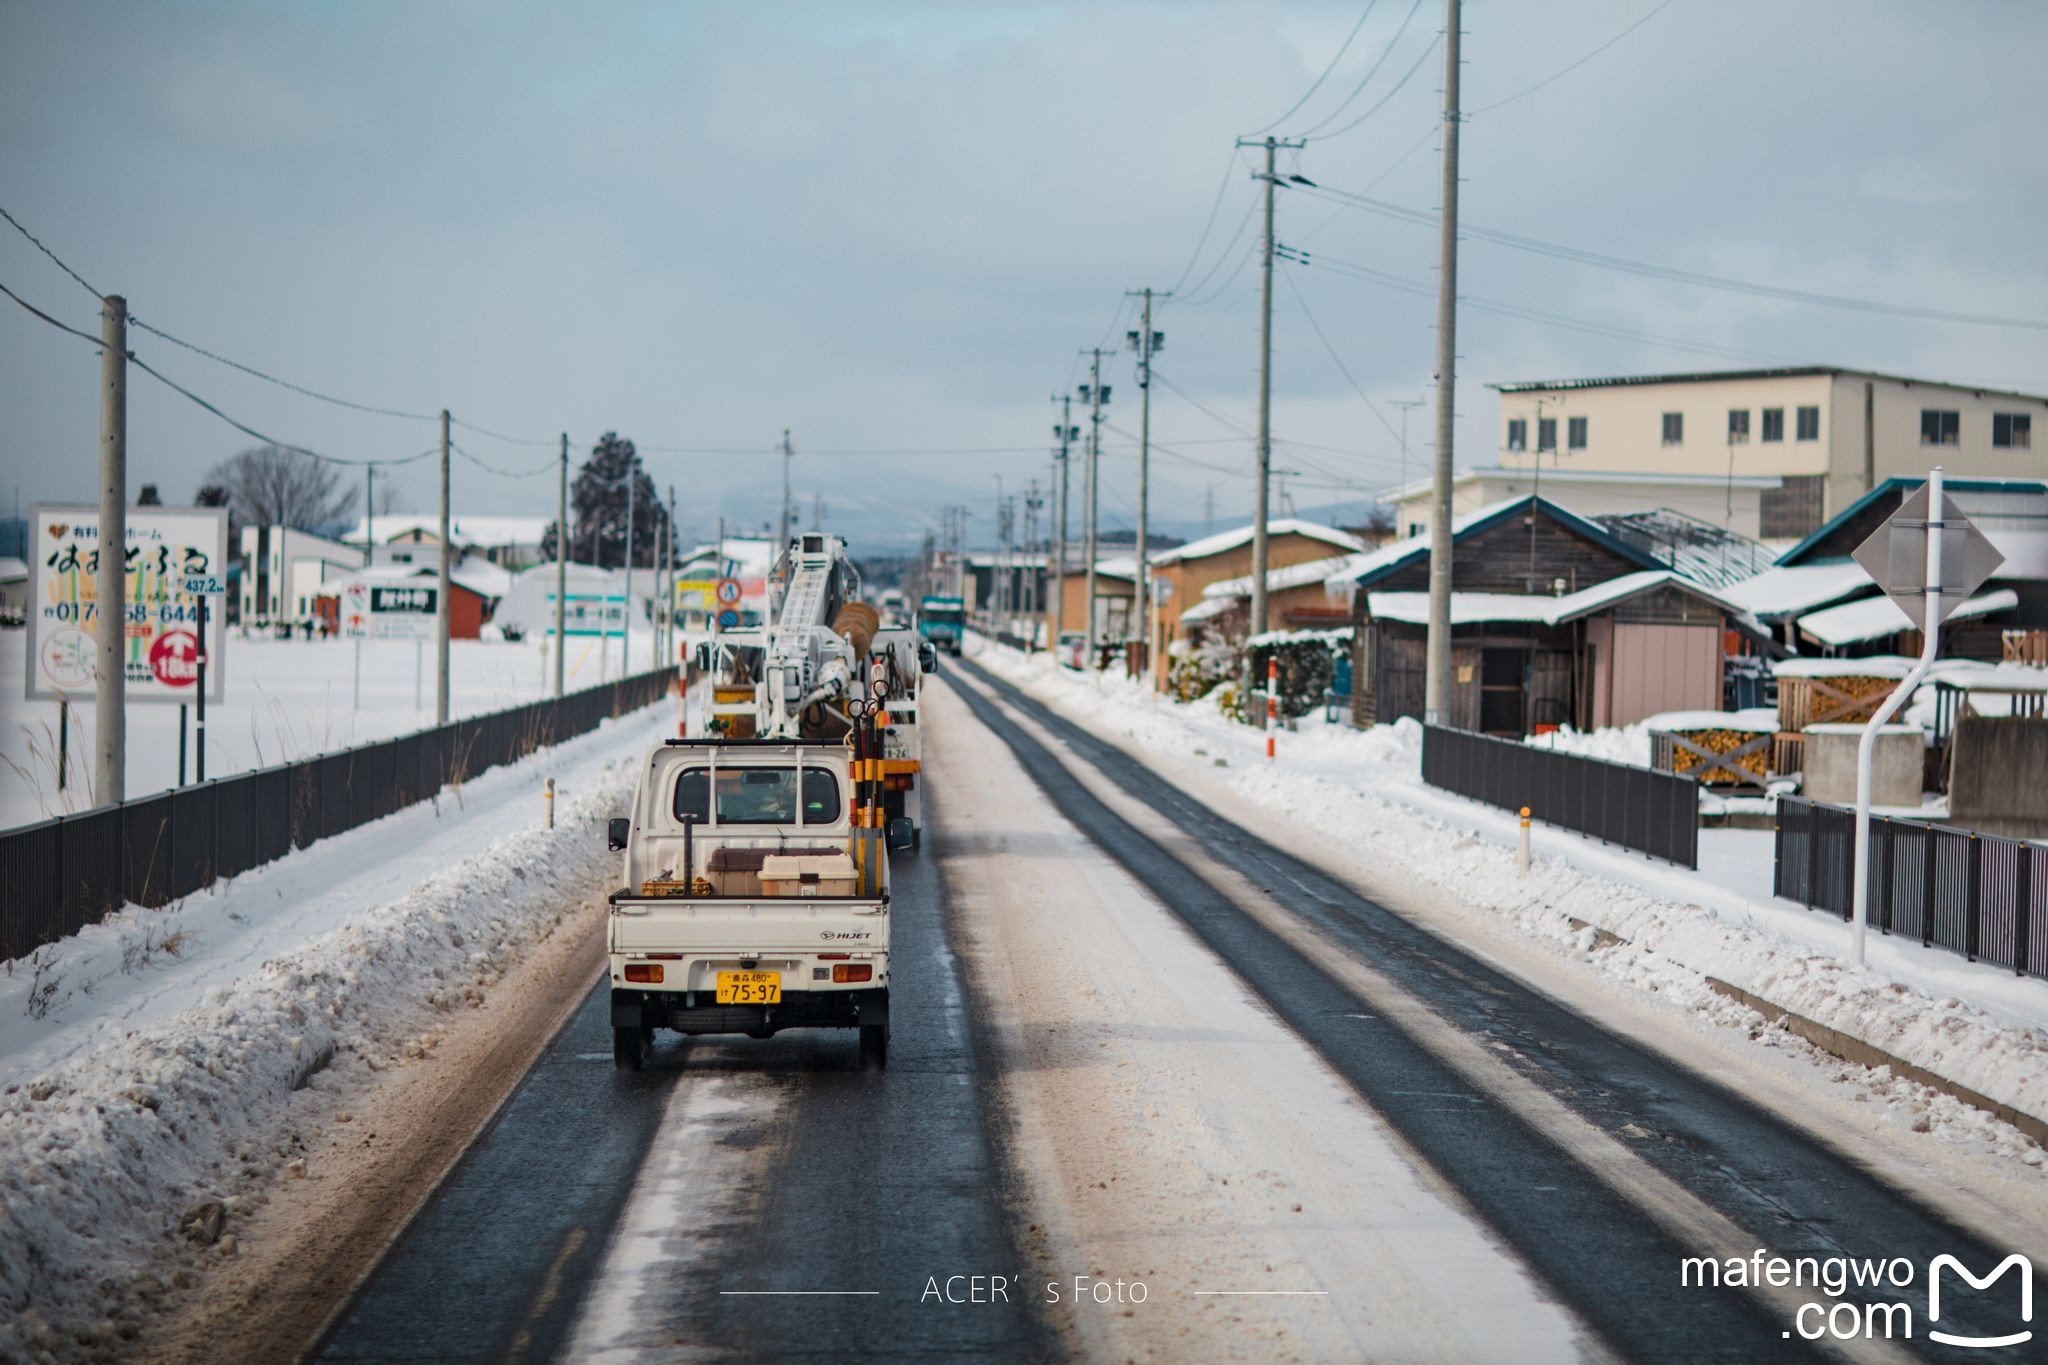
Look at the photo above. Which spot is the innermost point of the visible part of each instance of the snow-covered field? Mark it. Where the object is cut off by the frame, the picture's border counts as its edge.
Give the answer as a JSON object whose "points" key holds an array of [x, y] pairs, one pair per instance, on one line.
{"points": [[1977, 1025], [172, 1061], [285, 699]]}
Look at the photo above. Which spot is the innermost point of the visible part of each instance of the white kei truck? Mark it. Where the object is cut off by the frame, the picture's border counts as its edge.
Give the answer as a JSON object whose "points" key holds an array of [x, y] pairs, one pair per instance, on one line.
{"points": [[756, 893]]}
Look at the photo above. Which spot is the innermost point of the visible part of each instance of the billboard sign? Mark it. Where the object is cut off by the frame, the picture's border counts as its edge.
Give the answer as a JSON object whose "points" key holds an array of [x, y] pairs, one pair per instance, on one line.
{"points": [[170, 551], [695, 594], [389, 611]]}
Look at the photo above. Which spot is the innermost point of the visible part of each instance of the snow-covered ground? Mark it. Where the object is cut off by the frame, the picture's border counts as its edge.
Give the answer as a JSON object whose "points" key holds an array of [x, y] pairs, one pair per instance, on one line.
{"points": [[1977, 1025], [284, 699], [166, 1058]]}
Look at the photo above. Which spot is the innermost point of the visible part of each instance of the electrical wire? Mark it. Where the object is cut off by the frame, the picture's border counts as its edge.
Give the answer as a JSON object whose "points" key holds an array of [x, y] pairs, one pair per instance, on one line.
{"points": [[547, 468], [552, 441], [1487, 109], [1193, 299], [1215, 206], [1359, 89], [1406, 76], [51, 254], [248, 430], [62, 327], [1671, 274], [281, 383], [1220, 419], [1306, 94], [1335, 359]]}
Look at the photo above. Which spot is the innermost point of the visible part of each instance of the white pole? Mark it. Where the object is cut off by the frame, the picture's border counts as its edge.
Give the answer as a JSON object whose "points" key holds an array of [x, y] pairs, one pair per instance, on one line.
{"points": [[356, 698], [1522, 845], [1930, 636], [419, 668]]}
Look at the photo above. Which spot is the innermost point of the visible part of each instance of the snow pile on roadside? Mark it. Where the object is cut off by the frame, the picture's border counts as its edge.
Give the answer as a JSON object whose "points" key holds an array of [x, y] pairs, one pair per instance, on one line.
{"points": [[106, 1155], [1628, 744], [1363, 790]]}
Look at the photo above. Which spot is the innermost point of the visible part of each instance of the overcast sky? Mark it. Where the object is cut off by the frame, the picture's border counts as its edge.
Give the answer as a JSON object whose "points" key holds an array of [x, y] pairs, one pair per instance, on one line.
{"points": [[892, 226]]}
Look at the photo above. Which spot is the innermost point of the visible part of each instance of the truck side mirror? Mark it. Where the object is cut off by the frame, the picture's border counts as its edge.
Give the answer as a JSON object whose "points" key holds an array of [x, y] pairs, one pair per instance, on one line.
{"points": [[927, 656], [901, 832], [616, 831]]}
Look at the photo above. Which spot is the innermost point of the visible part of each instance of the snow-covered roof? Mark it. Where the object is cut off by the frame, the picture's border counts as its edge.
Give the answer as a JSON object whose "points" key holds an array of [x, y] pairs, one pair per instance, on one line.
{"points": [[486, 531], [1795, 589], [1208, 609], [1762, 720], [1291, 576], [1339, 635], [1416, 488], [1471, 608], [11, 569], [1973, 676], [1376, 563], [1123, 566], [1873, 618], [482, 577], [1875, 666], [1242, 535]]}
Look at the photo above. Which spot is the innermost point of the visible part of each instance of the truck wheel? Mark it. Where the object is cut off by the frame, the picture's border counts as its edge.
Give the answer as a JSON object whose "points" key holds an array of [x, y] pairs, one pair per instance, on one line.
{"points": [[629, 1047], [874, 1047]]}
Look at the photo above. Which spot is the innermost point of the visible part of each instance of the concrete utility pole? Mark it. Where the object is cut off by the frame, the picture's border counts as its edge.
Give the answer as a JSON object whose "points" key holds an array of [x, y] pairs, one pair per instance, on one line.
{"points": [[1032, 572], [1066, 431], [995, 595], [1146, 343], [1094, 395], [1404, 404], [1437, 688], [1265, 436], [369, 513], [668, 593], [443, 607], [110, 589], [632, 489], [786, 453], [562, 568]]}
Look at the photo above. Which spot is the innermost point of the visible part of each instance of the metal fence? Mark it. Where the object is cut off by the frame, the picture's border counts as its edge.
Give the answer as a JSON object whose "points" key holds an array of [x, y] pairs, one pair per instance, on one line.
{"points": [[1616, 803], [1982, 895], [63, 874]]}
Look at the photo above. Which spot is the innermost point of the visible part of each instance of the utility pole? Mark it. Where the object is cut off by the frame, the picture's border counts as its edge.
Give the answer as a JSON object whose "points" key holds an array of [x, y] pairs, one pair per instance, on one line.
{"points": [[1095, 396], [1265, 437], [562, 567], [1033, 572], [110, 590], [1146, 343], [369, 514], [1436, 705], [995, 595], [1404, 404], [632, 491], [786, 452], [668, 593], [442, 606], [1066, 431]]}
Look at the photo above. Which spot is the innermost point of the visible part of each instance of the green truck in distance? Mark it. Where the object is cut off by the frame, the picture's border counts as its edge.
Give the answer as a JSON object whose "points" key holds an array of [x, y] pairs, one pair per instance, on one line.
{"points": [[942, 620]]}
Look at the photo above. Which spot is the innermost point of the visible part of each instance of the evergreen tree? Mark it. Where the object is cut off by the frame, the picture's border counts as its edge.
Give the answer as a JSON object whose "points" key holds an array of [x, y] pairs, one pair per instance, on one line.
{"points": [[597, 509]]}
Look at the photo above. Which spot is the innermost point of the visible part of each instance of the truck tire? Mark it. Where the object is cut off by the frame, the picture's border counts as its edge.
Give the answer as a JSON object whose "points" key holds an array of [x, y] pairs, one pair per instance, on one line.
{"points": [[629, 1047], [874, 1047]]}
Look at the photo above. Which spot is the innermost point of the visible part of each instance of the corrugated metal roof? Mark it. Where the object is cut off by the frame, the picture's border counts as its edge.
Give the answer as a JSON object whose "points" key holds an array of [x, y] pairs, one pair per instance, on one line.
{"points": [[1728, 376]]}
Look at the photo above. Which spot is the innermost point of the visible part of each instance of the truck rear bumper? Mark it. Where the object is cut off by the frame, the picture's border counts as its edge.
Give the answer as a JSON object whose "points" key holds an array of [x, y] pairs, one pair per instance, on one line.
{"points": [[695, 1012]]}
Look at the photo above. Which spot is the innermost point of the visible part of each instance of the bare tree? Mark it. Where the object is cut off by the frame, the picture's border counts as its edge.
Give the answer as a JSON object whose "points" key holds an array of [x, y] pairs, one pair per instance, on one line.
{"points": [[272, 486]]}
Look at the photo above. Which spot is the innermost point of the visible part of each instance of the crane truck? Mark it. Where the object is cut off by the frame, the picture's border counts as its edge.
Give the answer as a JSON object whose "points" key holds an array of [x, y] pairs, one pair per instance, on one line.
{"points": [[755, 878]]}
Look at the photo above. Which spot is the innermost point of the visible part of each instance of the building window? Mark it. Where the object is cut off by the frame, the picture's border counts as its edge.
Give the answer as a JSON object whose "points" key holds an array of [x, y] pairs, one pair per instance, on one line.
{"points": [[1940, 427], [1518, 433], [1809, 424], [1575, 433], [1774, 424], [2012, 430], [1738, 426], [1546, 434], [1674, 428]]}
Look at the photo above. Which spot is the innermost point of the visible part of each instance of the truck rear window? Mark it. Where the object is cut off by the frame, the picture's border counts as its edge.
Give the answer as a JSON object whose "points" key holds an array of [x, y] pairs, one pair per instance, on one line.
{"points": [[758, 796]]}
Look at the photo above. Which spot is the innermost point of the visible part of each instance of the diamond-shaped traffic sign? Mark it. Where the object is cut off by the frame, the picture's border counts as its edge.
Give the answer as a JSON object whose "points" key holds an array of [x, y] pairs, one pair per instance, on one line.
{"points": [[1895, 556]]}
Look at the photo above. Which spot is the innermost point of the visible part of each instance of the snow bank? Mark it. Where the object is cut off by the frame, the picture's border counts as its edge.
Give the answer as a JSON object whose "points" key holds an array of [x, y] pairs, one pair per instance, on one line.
{"points": [[104, 1154], [1363, 791]]}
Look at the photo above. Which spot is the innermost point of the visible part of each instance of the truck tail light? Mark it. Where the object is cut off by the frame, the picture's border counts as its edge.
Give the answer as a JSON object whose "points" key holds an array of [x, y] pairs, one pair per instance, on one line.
{"points": [[647, 973], [857, 971]]}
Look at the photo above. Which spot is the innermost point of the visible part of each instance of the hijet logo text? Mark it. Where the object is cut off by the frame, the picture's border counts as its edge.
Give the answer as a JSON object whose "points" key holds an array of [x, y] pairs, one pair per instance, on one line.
{"points": [[1855, 1320]]}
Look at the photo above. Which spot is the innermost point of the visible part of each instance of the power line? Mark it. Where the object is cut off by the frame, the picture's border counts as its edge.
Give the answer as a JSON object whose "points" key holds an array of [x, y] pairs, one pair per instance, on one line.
{"points": [[1359, 89], [83, 336], [1214, 207], [1336, 360], [51, 254], [1318, 84], [1575, 65], [547, 468], [1406, 76], [248, 430], [551, 442], [1625, 265], [282, 383], [1236, 426]]}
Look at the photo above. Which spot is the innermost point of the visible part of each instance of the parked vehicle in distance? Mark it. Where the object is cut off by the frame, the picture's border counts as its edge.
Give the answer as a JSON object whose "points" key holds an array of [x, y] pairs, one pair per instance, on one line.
{"points": [[943, 621]]}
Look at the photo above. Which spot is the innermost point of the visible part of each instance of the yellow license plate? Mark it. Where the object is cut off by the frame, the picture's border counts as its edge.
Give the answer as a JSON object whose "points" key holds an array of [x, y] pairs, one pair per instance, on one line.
{"points": [[750, 988]]}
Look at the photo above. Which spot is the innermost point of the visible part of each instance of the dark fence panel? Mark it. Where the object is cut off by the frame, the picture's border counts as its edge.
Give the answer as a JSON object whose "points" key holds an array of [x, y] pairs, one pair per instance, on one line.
{"points": [[60, 875], [1983, 896], [1652, 812]]}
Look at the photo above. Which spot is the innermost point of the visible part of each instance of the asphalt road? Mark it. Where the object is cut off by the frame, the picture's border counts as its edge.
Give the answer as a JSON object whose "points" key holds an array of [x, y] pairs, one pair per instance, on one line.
{"points": [[834, 1178], [1614, 1263]]}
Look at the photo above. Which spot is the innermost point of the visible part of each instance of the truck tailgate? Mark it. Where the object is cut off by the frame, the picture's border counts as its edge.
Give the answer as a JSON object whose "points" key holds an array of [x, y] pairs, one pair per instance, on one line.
{"points": [[781, 923]]}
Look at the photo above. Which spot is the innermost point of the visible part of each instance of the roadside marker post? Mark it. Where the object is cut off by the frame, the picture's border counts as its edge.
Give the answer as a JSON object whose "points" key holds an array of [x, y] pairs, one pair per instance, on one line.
{"points": [[550, 798], [1522, 845], [1272, 702]]}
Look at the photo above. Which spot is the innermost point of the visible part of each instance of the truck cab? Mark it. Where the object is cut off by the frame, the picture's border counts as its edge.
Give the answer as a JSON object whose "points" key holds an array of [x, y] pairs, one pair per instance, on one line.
{"points": [[943, 621], [754, 896]]}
